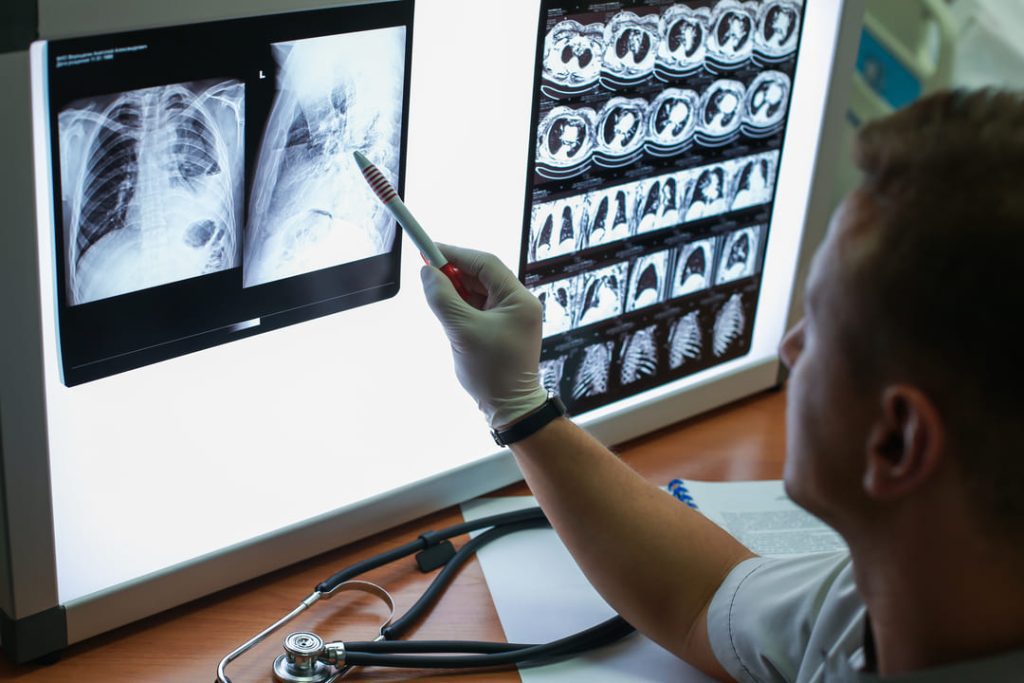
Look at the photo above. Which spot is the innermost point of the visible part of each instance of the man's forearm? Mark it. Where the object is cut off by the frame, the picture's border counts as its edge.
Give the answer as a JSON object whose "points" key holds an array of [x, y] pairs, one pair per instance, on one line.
{"points": [[657, 562]]}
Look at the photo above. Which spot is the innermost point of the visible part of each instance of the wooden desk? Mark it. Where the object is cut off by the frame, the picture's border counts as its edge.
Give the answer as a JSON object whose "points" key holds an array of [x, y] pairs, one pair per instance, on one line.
{"points": [[742, 441]]}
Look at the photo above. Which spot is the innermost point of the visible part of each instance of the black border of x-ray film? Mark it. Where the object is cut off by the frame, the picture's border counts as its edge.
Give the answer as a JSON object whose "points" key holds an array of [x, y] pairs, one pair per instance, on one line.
{"points": [[109, 336], [571, 345]]}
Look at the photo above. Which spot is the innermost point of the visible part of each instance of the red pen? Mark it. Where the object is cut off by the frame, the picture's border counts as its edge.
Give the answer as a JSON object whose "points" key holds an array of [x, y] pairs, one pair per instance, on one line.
{"points": [[428, 250]]}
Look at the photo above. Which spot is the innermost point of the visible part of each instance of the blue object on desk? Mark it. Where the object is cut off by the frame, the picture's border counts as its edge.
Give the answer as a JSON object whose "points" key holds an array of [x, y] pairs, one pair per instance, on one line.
{"points": [[677, 487]]}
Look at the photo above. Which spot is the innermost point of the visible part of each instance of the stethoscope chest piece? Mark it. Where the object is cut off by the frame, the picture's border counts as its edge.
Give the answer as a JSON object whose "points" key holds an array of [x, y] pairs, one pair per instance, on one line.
{"points": [[300, 663]]}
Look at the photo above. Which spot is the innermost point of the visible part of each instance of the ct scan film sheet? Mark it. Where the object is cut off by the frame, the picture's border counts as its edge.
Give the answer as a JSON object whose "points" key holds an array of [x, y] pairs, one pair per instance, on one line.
{"points": [[656, 139], [204, 185]]}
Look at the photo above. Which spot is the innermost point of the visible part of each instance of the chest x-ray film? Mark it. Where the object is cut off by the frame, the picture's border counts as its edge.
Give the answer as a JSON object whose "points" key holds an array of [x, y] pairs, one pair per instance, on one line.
{"points": [[151, 184], [308, 208], [656, 139], [208, 194]]}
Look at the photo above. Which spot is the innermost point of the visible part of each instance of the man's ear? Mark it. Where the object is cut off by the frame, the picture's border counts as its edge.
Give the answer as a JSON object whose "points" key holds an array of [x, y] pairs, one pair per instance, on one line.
{"points": [[906, 444]]}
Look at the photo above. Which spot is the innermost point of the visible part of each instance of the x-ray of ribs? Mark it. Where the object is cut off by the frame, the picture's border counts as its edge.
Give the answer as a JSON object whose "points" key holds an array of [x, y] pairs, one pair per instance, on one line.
{"points": [[591, 378], [730, 322], [551, 373], [685, 340], [639, 356], [151, 186], [310, 208]]}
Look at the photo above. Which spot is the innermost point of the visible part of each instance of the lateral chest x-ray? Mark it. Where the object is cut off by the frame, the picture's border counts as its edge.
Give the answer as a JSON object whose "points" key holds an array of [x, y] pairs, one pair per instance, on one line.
{"points": [[309, 208], [656, 150], [193, 211]]}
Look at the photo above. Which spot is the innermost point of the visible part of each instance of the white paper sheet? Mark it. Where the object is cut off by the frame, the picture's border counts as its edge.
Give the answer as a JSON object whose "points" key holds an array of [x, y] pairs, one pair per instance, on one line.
{"points": [[763, 517], [541, 595]]}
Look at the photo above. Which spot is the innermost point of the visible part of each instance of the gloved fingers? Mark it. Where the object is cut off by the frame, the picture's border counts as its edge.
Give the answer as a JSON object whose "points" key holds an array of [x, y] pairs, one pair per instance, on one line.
{"points": [[440, 291], [482, 266]]}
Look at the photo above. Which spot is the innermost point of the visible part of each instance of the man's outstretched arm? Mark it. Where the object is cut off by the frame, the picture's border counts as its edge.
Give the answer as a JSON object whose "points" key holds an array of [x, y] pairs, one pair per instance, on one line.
{"points": [[658, 563]]}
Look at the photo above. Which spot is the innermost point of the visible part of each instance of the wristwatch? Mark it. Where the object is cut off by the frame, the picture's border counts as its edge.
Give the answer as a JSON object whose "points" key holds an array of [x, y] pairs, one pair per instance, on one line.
{"points": [[532, 423]]}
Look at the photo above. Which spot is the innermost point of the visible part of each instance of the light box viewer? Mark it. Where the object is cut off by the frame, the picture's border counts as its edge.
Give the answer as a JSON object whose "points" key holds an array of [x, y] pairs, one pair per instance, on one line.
{"points": [[217, 359]]}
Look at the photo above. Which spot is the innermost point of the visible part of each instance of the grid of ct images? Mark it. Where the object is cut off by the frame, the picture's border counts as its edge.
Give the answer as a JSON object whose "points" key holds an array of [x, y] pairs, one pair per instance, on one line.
{"points": [[657, 137]]}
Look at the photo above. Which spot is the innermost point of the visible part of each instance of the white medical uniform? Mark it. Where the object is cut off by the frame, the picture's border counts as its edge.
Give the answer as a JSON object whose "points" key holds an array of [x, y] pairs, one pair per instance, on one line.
{"points": [[801, 620]]}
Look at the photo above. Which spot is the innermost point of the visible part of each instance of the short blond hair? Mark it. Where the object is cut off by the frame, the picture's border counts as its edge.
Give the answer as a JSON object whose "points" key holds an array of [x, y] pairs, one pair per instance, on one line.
{"points": [[940, 285]]}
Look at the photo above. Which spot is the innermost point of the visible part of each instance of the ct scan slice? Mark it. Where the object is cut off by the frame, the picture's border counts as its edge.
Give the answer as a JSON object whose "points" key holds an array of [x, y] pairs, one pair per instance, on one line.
{"points": [[721, 113], [753, 180], [681, 51], [778, 29], [565, 141], [558, 301], [731, 39], [620, 131], [693, 267], [630, 48], [602, 294], [609, 216], [647, 280], [766, 103], [739, 255], [557, 227], [671, 122], [572, 57]]}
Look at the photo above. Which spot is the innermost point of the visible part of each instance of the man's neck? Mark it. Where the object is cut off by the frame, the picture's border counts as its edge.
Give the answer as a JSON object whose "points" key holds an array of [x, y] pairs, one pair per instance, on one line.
{"points": [[939, 595]]}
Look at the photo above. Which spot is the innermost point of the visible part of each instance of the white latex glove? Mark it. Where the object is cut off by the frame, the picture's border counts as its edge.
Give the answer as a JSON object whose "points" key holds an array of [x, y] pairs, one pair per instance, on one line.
{"points": [[496, 341]]}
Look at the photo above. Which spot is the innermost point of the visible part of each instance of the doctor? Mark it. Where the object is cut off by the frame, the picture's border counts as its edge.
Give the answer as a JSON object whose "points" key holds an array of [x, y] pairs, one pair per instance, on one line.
{"points": [[905, 432]]}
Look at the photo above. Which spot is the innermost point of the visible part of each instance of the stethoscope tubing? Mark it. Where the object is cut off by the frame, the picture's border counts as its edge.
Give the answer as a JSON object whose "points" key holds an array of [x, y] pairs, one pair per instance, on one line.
{"points": [[409, 653], [388, 651], [394, 653], [426, 540]]}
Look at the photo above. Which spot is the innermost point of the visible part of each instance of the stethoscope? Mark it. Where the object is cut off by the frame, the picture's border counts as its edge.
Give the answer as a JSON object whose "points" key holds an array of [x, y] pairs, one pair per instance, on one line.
{"points": [[308, 658]]}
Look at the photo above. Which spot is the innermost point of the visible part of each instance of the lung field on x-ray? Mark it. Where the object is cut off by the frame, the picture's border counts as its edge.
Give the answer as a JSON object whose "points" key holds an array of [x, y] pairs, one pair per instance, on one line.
{"points": [[151, 184], [310, 207]]}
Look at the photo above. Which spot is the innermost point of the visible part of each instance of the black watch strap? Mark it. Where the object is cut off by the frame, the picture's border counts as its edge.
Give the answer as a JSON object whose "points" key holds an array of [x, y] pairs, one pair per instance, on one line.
{"points": [[551, 409]]}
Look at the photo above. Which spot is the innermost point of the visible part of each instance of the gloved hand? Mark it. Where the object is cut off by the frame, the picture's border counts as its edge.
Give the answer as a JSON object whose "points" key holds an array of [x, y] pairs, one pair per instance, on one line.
{"points": [[496, 341]]}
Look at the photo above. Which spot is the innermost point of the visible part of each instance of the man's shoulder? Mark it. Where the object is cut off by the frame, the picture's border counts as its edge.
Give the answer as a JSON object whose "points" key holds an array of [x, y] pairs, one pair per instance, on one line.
{"points": [[785, 618]]}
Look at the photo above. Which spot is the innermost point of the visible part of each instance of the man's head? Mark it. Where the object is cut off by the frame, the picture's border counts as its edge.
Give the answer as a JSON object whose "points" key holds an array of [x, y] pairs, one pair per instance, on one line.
{"points": [[905, 371]]}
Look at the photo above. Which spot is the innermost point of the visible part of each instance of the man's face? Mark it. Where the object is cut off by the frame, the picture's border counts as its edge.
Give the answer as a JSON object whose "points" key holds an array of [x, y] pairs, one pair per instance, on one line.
{"points": [[827, 415]]}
